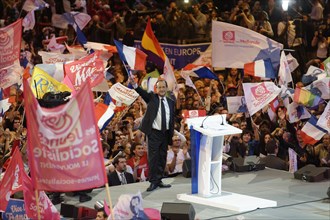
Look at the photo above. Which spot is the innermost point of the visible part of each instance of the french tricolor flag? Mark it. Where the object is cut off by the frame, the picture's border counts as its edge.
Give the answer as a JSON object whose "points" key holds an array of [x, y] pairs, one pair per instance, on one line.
{"points": [[199, 71], [312, 133], [103, 114], [260, 68], [131, 56]]}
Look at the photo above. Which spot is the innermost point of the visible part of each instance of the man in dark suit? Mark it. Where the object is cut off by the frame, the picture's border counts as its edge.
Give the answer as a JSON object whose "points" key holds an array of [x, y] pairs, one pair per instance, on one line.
{"points": [[120, 176], [271, 160], [158, 125]]}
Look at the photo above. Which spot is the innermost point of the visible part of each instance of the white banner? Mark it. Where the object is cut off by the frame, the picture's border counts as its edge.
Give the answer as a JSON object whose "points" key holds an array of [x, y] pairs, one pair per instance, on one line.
{"points": [[48, 57], [236, 104], [233, 46], [320, 87], [324, 120], [292, 161], [122, 94], [295, 115], [11, 75], [258, 95]]}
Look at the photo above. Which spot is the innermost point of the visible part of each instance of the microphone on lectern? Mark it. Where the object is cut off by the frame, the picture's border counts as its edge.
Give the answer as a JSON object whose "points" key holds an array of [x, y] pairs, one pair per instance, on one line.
{"points": [[222, 119]]}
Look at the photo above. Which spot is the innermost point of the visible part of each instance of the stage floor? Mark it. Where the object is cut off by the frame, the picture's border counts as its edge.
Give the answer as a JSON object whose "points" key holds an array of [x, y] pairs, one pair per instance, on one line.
{"points": [[276, 185]]}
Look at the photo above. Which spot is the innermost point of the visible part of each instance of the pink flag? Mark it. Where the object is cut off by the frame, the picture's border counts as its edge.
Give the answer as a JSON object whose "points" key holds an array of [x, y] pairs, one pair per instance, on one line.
{"points": [[12, 180], [47, 209], [80, 70], [106, 208], [67, 82], [66, 153], [10, 43]]}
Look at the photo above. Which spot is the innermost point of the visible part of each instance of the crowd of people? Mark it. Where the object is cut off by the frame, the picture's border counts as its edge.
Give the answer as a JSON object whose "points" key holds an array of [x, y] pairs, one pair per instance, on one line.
{"points": [[129, 155]]}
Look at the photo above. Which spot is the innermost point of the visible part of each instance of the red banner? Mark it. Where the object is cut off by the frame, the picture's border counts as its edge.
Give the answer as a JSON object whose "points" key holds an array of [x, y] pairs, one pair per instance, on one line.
{"points": [[90, 66], [193, 113], [66, 153], [47, 209], [10, 43], [12, 180]]}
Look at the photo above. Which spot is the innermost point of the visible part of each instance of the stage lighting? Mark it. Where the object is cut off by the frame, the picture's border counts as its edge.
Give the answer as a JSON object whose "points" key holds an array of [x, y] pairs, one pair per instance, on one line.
{"points": [[185, 1], [285, 4]]}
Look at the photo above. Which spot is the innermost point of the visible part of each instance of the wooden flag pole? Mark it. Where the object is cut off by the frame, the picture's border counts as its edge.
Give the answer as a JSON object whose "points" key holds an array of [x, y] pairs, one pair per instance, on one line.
{"points": [[110, 202], [37, 203]]}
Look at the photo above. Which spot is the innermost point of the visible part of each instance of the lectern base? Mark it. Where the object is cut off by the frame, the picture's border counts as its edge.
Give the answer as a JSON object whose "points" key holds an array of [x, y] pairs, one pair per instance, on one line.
{"points": [[231, 201]]}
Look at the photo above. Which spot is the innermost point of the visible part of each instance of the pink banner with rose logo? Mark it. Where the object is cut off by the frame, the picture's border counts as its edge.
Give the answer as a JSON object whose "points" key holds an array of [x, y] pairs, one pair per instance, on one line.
{"points": [[10, 43], [64, 143]]}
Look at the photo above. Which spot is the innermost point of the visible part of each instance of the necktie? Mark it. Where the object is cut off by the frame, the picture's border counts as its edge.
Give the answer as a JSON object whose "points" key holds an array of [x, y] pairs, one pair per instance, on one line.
{"points": [[123, 179], [163, 115]]}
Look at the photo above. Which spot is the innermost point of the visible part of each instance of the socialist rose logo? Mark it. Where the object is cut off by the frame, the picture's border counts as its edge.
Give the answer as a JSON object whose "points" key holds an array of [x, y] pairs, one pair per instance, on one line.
{"points": [[228, 36], [193, 113], [259, 90], [4, 38], [59, 124]]}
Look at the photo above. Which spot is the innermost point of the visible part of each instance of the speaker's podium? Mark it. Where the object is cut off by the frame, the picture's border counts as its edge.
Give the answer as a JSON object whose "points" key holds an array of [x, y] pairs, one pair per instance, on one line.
{"points": [[206, 143]]}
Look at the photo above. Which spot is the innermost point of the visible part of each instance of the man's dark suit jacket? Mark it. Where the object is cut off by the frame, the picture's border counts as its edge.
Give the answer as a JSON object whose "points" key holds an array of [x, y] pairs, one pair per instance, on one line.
{"points": [[152, 101], [113, 178], [274, 162]]}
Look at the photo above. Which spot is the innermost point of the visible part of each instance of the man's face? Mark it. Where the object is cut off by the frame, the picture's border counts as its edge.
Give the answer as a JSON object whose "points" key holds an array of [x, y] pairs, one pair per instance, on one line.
{"points": [[176, 141], [121, 166], [161, 88]]}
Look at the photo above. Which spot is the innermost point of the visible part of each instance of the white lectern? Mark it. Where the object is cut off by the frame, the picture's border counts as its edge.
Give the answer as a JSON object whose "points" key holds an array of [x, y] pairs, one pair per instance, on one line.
{"points": [[209, 156], [207, 138]]}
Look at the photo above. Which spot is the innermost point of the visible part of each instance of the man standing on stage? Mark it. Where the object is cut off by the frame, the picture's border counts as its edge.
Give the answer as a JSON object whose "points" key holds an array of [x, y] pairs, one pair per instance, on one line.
{"points": [[158, 125]]}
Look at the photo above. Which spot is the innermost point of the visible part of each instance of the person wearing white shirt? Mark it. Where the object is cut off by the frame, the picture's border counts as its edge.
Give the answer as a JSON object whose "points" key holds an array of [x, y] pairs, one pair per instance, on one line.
{"points": [[176, 156]]}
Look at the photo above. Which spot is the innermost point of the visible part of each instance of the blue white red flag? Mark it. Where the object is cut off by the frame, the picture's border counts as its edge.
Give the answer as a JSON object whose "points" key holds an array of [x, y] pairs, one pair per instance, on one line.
{"points": [[133, 57], [200, 71], [311, 133], [104, 114], [260, 68]]}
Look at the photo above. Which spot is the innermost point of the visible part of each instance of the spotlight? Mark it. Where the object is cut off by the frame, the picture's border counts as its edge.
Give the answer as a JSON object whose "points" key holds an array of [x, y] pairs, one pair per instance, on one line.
{"points": [[285, 4], [185, 1]]}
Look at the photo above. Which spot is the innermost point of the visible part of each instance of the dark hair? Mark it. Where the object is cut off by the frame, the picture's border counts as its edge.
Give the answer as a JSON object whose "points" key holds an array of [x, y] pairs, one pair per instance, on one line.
{"points": [[116, 160], [133, 147], [102, 210], [271, 146]]}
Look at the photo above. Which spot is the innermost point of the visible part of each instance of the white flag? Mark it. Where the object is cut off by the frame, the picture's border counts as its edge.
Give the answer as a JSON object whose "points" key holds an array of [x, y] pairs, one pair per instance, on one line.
{"points": [[320, 87], [233, 46], [297, 112], [324, 120], [293, 167], [284, 72], [258, 95], [29, 21], [293, 63]]}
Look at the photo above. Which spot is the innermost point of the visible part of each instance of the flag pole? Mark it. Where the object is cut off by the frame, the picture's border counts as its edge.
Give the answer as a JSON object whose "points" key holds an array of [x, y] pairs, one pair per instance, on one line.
{"points": [[37, 203], [127, 71], [110, 202]]}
